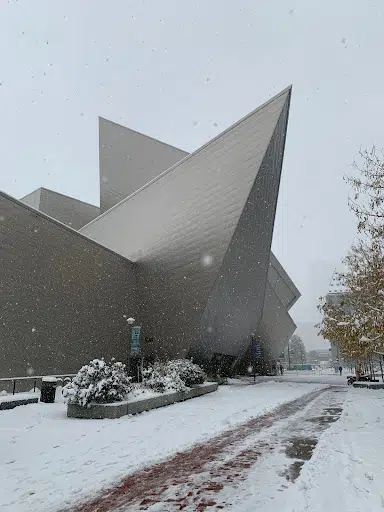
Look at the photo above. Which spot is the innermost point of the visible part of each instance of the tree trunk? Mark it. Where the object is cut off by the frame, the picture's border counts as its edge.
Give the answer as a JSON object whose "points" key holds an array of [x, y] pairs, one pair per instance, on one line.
{"points": [[289, 358], [381, 367]]}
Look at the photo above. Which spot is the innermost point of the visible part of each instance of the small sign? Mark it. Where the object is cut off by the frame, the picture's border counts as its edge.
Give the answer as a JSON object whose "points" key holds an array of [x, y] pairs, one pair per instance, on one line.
{"points": [[257, 350], [135, 340]]}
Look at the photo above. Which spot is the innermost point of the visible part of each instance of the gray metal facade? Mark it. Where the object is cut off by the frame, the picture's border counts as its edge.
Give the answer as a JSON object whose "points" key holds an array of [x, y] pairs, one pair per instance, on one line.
{"points": [[192, 211], [236, 303], [63, 296], [128, 160], [276, 326], [282, 284], [184, 246], [119, 145], [69, 211]]}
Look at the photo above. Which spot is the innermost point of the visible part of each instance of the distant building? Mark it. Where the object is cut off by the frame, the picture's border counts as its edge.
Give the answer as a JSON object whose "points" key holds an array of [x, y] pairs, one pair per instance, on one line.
{"points": [[324, 354]]}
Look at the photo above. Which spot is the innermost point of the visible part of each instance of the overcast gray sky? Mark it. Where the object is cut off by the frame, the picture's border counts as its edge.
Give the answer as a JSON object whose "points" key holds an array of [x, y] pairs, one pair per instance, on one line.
{"points": [[182, 71]]}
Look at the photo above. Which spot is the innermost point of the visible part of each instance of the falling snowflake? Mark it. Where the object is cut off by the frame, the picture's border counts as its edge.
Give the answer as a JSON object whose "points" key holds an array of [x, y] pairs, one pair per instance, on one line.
{"points": [[33, 329], [207, 260]]}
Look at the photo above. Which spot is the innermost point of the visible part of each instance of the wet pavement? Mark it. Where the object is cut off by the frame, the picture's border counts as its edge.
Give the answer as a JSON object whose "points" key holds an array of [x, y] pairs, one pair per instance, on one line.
{"points": [[301, 448], [204, 477]]}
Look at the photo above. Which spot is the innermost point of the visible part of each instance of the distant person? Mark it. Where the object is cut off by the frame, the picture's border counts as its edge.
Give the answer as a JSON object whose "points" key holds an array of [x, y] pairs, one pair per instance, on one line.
{"points": [[340, 370], [281, 369]]}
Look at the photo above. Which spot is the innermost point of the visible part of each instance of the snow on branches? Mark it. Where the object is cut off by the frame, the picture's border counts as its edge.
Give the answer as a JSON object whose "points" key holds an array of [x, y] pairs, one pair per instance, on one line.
{"points": [[356, 322], [98, 382], [175, 375]]}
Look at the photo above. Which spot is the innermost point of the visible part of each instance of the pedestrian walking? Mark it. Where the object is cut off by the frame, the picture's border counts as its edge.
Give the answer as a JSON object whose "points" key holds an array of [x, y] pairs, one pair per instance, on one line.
{"points": [[340, 370], [281, 369]]}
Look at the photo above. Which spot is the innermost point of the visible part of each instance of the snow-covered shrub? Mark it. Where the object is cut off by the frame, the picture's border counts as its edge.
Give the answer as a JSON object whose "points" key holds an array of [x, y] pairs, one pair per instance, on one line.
{"points": [[98, 382], [158, 379], [176, 375], [188, 372]]}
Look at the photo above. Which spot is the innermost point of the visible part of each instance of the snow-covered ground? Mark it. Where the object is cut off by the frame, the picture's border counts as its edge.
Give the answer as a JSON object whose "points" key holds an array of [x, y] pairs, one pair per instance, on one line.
{"points": [[17, 396], [322, 377], [348, 461], [346, 471], [48, 461], [242, 469]]}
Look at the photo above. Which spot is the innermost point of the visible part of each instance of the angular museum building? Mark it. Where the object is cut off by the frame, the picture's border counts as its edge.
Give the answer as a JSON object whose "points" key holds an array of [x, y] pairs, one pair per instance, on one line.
{"points": [[181, 242]]}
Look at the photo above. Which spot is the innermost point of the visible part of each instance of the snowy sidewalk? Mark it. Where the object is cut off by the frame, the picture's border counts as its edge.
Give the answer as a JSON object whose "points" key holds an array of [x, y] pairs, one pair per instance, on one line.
{"points": [[208, 475], [49, 462], [308, 377], [346, 472], [242, 469]]}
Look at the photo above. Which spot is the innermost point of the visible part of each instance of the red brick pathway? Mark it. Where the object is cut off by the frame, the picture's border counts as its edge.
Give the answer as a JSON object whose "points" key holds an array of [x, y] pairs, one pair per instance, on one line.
{"points": [[192, 480]]}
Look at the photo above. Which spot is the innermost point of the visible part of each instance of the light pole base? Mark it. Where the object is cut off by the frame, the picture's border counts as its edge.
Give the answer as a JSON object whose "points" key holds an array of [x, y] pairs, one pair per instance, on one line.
{"points": [[135, 367]]}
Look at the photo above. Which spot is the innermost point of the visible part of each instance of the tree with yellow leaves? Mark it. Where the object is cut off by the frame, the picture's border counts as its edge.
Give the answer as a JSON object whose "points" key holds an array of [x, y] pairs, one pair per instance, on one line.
{"points": [[356, 322]]}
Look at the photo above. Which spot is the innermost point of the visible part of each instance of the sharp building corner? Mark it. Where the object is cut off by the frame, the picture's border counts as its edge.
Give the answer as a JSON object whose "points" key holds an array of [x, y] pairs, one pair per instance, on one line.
{"points": [[181, 242]]}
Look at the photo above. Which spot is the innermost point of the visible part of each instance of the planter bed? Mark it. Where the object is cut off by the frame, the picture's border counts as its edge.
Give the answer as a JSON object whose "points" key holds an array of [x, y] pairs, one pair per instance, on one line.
{"points": [[369, 385], [137, 405]]}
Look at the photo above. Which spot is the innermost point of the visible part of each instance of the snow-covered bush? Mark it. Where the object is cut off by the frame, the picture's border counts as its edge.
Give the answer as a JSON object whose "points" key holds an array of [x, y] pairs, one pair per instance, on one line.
{"points": [[188, 372], [158, 379], [98, 382], [176, 375]]}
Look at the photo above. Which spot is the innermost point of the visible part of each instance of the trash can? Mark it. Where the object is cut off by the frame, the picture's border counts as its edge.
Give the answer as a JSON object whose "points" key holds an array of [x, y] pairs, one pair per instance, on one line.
{"points": [[48, 390]]}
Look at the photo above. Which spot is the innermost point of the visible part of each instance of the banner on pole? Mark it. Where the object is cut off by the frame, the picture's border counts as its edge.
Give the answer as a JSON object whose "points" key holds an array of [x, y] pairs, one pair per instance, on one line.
{"points": [[257, 351], [135, 340]]}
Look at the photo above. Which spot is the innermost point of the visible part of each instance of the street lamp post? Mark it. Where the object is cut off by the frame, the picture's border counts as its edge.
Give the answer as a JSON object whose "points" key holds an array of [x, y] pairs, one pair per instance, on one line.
{"points": [[254, 363], [289, 357], [134, 350]]}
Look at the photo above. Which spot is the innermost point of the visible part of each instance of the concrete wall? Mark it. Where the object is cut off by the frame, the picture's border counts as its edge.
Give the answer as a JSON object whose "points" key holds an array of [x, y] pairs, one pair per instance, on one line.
{"points": [[69, 211], [63, 297], [128, 160]]}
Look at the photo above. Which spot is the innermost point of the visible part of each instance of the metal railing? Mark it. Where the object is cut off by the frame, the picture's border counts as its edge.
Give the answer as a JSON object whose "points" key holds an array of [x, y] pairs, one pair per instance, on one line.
{"points": [[35, 378]]}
